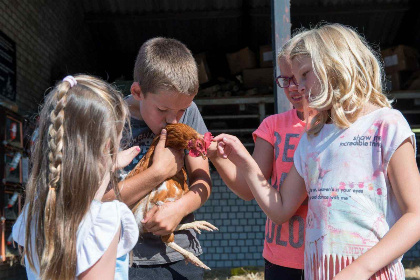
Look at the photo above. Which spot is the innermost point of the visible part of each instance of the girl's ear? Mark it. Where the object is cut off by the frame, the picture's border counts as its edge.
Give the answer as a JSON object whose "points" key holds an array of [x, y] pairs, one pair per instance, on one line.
{"points": [[107, 158], [107, 146]]}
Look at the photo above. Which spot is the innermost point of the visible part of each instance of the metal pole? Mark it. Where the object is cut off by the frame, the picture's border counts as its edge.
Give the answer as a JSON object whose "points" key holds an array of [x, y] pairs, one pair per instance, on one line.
{"points": [[281, 29]]}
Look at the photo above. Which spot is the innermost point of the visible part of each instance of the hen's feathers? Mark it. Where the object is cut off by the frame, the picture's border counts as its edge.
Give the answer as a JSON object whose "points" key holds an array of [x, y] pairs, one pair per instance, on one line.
{"points": [[178, 136]]}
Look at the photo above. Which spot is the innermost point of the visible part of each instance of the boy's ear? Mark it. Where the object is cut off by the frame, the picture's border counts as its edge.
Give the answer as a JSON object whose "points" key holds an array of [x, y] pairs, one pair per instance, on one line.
{"points": [[136, 91]]}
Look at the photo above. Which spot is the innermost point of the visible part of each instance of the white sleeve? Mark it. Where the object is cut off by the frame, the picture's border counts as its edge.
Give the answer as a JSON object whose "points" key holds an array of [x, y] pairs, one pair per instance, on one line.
{"points": [[394, 130], [298, 159], [19, 228], [98, 229]]}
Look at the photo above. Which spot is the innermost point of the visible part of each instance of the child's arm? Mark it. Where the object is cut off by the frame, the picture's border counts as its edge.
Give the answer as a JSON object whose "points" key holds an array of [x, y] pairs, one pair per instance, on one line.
{"points": [[278, 206], [262, 155], [164, 219], [405, 181], [104, 268], [166, 163]]}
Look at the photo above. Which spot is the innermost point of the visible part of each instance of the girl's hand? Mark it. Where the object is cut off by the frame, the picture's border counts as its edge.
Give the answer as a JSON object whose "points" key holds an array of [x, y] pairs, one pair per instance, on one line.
{"points": [[229, 146], [125, 157]]}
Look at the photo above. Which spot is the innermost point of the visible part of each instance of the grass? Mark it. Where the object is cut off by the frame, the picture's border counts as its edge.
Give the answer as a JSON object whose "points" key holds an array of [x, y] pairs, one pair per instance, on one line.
{"points": [[412, 272]]}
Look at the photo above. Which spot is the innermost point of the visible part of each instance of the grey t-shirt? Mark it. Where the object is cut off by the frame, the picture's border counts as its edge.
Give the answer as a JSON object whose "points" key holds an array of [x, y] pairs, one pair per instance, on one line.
{"points": [[150, 250]]}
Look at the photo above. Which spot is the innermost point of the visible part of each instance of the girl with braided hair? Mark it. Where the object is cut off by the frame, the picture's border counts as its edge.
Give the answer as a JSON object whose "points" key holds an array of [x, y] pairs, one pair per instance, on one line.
{"points": [[65, 229]]}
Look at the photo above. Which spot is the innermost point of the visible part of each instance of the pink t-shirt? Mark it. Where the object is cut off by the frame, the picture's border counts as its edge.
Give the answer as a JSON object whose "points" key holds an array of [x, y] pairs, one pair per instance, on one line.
{"points": [[284, 244], [351, 202]]}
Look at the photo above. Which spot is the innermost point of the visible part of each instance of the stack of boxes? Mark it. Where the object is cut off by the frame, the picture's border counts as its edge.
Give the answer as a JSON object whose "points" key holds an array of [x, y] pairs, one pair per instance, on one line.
{"points": [[256, 71], [244, 61]]}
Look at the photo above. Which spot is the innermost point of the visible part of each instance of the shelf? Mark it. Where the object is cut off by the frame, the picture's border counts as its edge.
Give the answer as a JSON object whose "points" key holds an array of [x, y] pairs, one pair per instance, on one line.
{"points": [[234, 100], [410, 112], [233, 130], [405, 94], [230, 117]]}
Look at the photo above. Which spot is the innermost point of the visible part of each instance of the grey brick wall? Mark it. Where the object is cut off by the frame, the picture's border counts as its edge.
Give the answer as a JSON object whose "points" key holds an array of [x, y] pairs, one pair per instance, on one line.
{"points": [[51, 42], [239, 241]]}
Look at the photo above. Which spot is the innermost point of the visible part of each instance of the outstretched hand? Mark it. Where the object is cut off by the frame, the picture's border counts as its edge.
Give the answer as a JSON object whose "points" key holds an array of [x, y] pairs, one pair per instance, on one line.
{"points": [[230, 147], [125, 157]]}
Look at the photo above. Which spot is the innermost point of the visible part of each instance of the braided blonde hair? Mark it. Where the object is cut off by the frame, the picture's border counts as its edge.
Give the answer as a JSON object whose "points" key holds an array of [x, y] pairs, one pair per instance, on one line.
{"points": [[79, 128], [348, 70]]}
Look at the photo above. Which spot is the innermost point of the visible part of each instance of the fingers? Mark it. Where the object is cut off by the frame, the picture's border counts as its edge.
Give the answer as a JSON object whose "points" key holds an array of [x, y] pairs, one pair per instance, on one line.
{"points": [[225, 144], [162, 138], [221, 150], [150, 214], [125, 157], [131, 153]]}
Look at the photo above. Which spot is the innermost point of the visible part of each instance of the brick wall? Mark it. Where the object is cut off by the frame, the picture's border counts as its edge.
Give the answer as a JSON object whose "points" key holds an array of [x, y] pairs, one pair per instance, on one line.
{"points": [[239, 241], [51, 42]]}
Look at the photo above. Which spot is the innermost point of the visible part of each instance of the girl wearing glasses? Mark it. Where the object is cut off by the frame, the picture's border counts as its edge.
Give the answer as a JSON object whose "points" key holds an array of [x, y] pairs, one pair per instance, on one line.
{"points": [[356, 163], [277, 136]]}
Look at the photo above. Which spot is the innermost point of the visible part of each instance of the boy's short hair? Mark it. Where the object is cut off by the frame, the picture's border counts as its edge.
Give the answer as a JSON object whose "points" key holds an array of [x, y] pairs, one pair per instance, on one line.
{"points": [[166, 64]]}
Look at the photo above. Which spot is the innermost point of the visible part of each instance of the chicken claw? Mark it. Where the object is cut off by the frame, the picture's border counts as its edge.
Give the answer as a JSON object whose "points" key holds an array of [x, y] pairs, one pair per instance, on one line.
{"points": [[197, 226]]}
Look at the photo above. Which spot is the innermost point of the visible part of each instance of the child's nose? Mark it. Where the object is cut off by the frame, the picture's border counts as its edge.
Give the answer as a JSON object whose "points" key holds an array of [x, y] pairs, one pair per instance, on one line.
{"points": [[171, 119], [300, 89], [293, 87]]}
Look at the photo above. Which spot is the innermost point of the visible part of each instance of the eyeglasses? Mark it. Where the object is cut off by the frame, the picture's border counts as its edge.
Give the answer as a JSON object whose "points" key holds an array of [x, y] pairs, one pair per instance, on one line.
{"points": [[284, 81]]}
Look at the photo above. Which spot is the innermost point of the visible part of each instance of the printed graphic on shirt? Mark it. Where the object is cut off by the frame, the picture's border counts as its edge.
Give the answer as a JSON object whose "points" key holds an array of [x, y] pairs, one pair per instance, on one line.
{"points": [[351, 203], [284, 244], [143, 140], [355, 200], [296, 223]]}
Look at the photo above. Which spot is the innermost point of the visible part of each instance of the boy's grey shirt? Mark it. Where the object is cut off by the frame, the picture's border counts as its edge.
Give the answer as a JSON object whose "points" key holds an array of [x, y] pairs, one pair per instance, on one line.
{"points": [[150, 250]]}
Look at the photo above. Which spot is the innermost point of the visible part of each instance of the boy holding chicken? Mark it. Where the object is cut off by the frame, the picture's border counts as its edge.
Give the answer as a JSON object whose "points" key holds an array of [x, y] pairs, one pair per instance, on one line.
{"points": [[165, 84]]}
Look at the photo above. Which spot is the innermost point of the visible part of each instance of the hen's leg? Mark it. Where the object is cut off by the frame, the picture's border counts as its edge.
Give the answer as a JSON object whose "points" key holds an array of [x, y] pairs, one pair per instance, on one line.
{"points": [[169, 241], [197, 226]]}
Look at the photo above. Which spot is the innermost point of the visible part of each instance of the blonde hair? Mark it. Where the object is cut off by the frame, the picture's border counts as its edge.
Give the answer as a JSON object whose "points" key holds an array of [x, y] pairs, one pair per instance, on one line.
{"points": [[79, 128], [166, 64], [348, 70]]}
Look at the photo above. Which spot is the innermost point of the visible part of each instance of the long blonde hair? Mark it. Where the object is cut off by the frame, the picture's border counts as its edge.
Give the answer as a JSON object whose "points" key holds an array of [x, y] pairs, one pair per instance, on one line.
{"points": [[79, 130], [349, 72]]}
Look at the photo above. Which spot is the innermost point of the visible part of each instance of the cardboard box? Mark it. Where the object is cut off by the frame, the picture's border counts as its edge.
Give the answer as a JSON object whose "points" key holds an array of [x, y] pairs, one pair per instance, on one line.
{"points": [[203, 68], [266, 56], [415, 85], [393, 81], [398, 80], [400, 58], [260, 77], [414, 81], [243, 59]]}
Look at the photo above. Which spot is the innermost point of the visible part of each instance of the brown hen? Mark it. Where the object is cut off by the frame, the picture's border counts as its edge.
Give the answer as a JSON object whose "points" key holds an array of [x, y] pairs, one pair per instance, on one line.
{"points": [[179, 136]]}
